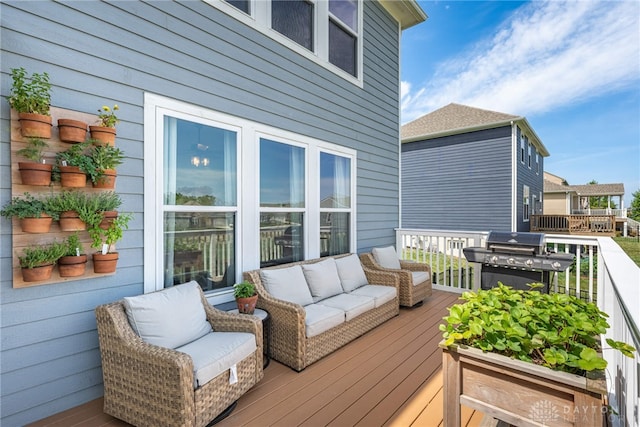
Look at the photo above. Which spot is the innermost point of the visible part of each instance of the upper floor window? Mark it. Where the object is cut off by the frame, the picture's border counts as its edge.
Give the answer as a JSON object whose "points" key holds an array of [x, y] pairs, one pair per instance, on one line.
{"points": [[529, 156], [526, 203], [522, 143], [537, 163], [328, 32]]}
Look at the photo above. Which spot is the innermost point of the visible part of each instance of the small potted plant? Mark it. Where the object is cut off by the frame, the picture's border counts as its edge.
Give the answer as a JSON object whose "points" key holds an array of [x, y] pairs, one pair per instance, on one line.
{"points": [[37, 262], [105, 131], [106, 259], [72, 131], [73, 166], [107, 203], [35, 172], [31, 98], [35, 214], [77, 209], [105, 159], [246, 297], [74, 261]]}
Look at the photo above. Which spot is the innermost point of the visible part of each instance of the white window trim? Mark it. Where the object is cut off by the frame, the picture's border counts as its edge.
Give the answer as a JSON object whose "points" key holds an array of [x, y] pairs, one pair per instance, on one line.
{"points": [[248, 181], [260, 20], [528, 211]]}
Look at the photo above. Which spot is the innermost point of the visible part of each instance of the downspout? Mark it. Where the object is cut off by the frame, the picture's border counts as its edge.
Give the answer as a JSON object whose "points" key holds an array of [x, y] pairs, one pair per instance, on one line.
{"points": [[514, 178]]}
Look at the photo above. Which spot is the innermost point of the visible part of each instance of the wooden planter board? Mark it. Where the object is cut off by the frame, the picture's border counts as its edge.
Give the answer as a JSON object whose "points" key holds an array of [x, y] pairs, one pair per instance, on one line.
{"points": [[519, 393]]}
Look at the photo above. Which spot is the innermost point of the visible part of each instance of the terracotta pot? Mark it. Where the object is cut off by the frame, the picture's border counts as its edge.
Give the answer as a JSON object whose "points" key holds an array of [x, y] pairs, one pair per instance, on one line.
{"points": [[73, 131], [37, 274], [106, 181], [107, 219], [35, 125], [105, 263], [72, 176], [36, 225], [247, 305], [70, 221], [32, 173], [72, 266], [104, 135]]}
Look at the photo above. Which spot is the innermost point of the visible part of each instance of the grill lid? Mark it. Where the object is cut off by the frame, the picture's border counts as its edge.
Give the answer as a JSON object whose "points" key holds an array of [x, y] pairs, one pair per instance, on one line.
{"points": [[513, 242]]}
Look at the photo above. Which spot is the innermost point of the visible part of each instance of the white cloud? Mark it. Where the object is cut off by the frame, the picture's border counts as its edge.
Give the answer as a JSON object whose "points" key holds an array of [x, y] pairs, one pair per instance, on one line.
{"points": [[546, 55]]}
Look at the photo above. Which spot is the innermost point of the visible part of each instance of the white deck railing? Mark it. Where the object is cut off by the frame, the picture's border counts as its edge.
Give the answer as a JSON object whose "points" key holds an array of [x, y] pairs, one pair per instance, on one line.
{"points": [[602, 273], [619, 213]]}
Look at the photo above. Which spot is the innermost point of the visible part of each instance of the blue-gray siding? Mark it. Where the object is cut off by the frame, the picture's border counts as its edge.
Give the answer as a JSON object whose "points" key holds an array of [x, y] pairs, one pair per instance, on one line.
{"points": [[534, 179], [99, 53], [459, 182]]}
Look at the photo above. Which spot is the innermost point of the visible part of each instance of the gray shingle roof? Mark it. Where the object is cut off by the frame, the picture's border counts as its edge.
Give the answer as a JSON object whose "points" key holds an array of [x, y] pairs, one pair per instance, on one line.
{"points": [[454, 117], [552, 187], [586, 190]]}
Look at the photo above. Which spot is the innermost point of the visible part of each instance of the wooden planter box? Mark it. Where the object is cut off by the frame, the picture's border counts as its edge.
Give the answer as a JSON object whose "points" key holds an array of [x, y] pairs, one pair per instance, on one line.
{"points": [[519, 393]]}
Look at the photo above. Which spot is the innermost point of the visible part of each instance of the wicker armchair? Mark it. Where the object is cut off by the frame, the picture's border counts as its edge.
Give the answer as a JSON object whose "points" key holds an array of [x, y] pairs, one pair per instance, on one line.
{"points": [[411, 294], [149, 385]]}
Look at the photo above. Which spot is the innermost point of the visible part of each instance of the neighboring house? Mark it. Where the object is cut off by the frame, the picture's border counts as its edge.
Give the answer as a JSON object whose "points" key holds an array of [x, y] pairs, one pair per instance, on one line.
{"points": [[215, 104], [465, 168], [564, 199]]}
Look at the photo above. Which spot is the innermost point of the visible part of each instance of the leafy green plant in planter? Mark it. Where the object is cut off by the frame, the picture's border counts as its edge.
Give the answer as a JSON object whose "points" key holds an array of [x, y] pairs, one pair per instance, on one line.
{"points": [[29, 206], [84, 205], [246, 297], [110, 235], [105, 158], [34, 150], [557, 331], [75, 156], [32, 96], [74, 261], [40, 255]]}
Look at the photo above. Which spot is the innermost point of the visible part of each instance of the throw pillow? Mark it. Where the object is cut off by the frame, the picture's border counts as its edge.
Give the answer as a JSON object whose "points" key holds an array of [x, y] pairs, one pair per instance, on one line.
{"points": [[323, 279], [386, 257], [169, 318], [351, 273], [287, 284]]}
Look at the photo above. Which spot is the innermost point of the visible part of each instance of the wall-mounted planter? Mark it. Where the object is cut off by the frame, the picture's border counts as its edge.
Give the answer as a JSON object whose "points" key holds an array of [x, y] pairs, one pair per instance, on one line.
{"points": [[35, 125], [72, 266], [37, 274], [104, 135], [72, 176], [36, 225], [107, 180], [70, 221], [32, 173], [107, 219], [73, 131], [105, 263]]}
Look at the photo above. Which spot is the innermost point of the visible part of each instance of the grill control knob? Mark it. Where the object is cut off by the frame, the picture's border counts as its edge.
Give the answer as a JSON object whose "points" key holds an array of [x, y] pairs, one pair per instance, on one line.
{"points": [[511, 261], [494, 259], [529, 262], [556, 265]]}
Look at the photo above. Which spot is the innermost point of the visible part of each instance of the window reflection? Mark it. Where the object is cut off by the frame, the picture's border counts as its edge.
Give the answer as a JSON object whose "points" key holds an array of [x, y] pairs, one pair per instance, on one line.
{"points": [[294, 19], [334, 233], [199, 246], [281, 175], [281, 238]]}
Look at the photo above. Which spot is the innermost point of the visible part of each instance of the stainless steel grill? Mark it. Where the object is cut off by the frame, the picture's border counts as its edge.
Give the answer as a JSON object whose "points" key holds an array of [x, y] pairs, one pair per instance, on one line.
{"points": [[516, 259]]}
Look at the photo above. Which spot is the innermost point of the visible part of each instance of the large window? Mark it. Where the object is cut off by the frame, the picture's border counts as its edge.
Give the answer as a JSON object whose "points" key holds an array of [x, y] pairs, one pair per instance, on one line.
{"points": [[199, 203], [282, 202], [328, 32], [525, 203], [224, 195]]}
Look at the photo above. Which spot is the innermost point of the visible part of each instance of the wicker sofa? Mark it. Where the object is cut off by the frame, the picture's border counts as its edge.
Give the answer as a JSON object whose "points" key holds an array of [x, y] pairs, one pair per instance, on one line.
{"points": [[415, 277], [147, 384], [294, 337]]}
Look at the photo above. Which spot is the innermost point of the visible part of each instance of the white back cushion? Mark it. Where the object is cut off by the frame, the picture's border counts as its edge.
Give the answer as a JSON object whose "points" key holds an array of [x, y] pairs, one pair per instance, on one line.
{"points": [[322, 278], [351, 273], [287, 284], [169, 318], [386, 257]]}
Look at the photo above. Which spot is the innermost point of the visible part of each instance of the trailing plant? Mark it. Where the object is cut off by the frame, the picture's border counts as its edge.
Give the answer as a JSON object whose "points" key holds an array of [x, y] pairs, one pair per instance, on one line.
{"points": [[29, 206], [107, 116], [244, 289], [112, 234], [554, 330], [75, 155], [84, 204], [104, 157], [73, 247], [33, 96], [34, 150], [107, 201], [37, 256]]}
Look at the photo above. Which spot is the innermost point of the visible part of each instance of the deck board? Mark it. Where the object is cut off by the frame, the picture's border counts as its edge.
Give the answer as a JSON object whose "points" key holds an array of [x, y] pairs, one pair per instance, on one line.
{"points": [[390, 376]]}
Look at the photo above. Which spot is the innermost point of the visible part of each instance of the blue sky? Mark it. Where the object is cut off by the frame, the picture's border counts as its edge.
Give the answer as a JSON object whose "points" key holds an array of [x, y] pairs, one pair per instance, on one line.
{"points": [[571, 68]]}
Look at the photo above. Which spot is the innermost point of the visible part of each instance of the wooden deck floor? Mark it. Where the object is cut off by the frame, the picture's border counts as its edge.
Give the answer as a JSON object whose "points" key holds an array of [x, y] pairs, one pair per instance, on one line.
{"points": [[391, 376]]}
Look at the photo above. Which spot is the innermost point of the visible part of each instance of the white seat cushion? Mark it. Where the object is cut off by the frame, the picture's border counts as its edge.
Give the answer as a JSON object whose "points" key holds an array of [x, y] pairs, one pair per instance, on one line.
{"points": [[352, 305], [216, 352], [168, 318], [288, 284], [321, 318], [351, 273], [322, 278], [380, 294], [419, 277], [386, 257]]}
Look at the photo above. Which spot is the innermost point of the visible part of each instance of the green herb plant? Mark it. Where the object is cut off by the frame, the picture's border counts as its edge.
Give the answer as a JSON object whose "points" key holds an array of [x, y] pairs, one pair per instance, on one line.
{"points": [[112, 234], [34, 150], [84, 204], [244, 289], [107, 201], [76, 155], [30, 95], [73, 247], [40, 255], [104, 157], [558, 331], [29, 206], [107, 116]]}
